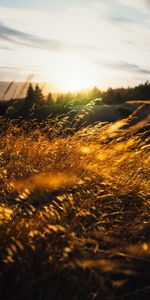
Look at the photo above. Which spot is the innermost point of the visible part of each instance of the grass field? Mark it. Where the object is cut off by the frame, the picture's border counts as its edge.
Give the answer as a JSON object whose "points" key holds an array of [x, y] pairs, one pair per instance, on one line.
{"points": [[74, 212]]}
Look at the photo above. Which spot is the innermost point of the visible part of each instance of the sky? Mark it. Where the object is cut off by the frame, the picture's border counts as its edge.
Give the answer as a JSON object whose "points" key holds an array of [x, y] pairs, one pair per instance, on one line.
{"points": [[75, 44]]}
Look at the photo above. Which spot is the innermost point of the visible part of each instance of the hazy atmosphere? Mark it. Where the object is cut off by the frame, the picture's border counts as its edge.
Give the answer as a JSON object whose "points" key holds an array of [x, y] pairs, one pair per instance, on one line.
{"points": [[101, 42], [74, 149]]}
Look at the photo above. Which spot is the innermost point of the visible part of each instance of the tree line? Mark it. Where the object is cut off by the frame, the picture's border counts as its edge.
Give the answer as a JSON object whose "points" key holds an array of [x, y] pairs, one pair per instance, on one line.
{"points": [[36, 105]]}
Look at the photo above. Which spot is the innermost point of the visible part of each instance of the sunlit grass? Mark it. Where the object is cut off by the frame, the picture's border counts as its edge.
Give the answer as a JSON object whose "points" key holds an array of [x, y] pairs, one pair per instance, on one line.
{"points": [[74, 210]]}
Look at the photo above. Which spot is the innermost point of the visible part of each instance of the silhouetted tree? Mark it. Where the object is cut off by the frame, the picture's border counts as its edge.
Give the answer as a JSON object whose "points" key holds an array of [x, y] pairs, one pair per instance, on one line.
{"points": [[95, 93], [35, 105], [39, 98], [118, 98], [60, 99], [50, 100], [30, 97], [28, 102]]}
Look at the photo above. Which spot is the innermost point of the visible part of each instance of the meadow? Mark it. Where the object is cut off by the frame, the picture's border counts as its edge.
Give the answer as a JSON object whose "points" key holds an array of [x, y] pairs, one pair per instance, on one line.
{"points": [[74, 211]]}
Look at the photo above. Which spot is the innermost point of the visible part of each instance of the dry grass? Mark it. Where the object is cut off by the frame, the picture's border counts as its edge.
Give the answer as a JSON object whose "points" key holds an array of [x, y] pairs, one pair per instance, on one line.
{"points": [[74, 213]]}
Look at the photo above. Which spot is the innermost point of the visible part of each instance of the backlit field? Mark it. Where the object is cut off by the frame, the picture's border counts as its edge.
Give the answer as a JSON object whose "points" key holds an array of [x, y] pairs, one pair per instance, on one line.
{"points": [[74, 211]]}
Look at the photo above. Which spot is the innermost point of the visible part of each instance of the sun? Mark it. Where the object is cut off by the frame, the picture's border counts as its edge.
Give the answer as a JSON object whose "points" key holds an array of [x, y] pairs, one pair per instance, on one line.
{"points": [[74, 74], [74, 81], [69, 72]]}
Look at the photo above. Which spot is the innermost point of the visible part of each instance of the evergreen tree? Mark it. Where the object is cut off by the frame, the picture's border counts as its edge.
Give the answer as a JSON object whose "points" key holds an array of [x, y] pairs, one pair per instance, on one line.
{"points": [[39, 98], [60, 99], [28, 101], [50, 99], [118, 98], [30, 97], [95, 93]]}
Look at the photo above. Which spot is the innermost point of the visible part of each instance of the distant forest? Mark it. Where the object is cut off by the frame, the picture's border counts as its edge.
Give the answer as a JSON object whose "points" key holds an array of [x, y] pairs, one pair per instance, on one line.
{"points": [[36, 105]]}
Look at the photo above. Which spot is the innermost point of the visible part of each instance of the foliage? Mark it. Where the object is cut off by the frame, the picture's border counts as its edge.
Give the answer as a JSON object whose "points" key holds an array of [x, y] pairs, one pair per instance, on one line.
{"points": [[35, 104]]}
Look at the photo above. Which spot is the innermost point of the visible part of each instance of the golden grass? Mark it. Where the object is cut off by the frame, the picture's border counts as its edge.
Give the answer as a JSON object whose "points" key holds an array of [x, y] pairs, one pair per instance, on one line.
{"points": [[74, 210]]}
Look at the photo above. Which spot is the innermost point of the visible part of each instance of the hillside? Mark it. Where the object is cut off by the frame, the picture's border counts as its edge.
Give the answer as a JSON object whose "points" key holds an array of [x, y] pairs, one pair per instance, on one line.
{"points": [[91, 113]]}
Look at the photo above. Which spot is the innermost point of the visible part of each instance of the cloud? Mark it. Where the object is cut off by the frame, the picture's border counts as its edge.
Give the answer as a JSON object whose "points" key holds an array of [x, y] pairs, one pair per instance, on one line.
{"points": [[23, 38], [86, 32], [5, 48], [125, 66], [72, 25], [132, 67], [34, 41], [142, 6], [120, 20]]}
